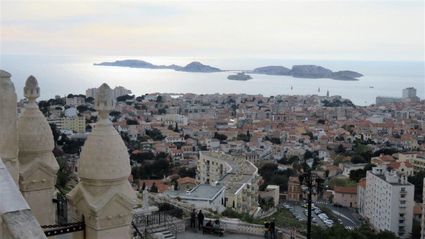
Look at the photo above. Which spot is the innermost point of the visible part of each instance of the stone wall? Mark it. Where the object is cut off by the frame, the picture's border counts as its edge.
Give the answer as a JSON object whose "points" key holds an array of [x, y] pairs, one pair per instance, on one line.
{"points": [[16, 218]]}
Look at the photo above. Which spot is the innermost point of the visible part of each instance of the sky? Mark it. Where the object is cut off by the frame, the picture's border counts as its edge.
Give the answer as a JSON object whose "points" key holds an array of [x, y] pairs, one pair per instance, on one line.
{"points": [[327, 30]]}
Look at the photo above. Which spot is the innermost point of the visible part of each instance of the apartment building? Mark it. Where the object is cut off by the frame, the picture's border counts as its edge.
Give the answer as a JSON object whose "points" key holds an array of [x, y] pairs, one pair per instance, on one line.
{"points": [[423, 213], [238, 175], [77, 124], [417, 161], [389, 201]]}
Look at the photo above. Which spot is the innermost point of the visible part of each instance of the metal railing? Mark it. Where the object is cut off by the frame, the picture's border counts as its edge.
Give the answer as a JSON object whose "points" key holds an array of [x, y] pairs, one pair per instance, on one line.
{"points": [[149, 224]]}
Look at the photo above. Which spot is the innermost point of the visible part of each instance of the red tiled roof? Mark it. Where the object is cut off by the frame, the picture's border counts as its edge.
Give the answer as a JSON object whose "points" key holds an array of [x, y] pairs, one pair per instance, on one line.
{"points": [[349, 190], [186, 180], [162, 187]]}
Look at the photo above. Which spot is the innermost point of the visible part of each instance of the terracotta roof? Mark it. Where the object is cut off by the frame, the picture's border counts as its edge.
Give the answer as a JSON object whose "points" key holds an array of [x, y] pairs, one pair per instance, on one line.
{"points": [[396, 165], [349, 190], [162, 187], [186, 180], [417, 209]]}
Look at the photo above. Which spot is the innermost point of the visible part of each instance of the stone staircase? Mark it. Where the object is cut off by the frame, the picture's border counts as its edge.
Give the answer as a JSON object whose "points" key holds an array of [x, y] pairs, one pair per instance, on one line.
{"points": [[162, 231]]}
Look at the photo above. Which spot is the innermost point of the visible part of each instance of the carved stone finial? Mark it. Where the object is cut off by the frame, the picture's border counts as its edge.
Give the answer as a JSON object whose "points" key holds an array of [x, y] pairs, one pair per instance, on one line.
{"points": [[104, 101], [31, 89]]}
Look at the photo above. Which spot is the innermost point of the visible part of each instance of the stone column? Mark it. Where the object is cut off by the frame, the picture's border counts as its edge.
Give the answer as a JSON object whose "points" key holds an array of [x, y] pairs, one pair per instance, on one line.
{"points": [[38, 166], [8, 128], [104, 195]]}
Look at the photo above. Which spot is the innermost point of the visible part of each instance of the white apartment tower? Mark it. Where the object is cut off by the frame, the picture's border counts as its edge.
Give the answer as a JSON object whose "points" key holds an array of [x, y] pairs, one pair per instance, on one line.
{"points": [[423, 213], [389, 201]]}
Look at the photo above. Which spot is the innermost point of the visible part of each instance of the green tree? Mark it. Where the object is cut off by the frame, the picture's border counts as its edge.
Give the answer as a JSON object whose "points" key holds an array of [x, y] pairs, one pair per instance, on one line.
{"points": [[417, 181]]}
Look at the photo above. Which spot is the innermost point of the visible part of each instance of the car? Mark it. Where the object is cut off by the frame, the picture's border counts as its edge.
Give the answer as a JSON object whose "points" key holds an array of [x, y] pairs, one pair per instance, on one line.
{"points": [[349, 228]]}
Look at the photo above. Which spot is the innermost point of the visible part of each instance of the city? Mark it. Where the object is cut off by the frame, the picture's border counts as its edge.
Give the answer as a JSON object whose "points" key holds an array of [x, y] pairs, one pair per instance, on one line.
{"points": [[234, 156], [194, 119]]}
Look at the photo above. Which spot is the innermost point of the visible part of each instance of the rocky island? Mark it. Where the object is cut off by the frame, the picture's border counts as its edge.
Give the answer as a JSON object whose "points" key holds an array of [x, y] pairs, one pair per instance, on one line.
{"points": [[272, 70], [241, 76], [298, 71], [308, 71], [191, 67], [197, 66]]}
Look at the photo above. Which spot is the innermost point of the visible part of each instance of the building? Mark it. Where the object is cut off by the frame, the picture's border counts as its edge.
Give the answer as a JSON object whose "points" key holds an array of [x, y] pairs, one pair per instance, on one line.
{"points": [[381, 100], [409, 92], [423, 213], [361, 191], [238, 175], [389, 201], [346, 168], [120, 91], [203, 196], [91, 92], [75, 100], [76, 124], [173, 119], [345, 196], [417, 161], [273, 192], [116, 92], [294, 190]]}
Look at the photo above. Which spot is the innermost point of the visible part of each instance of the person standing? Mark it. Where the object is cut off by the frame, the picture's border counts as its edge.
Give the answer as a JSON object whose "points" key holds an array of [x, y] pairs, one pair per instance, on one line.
{"points": [[193, 219], [266, 229], [272, 230], [200, 220]]}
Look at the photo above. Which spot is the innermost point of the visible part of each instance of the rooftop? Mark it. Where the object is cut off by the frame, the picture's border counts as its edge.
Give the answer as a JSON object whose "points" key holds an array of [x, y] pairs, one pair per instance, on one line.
{"points": [[200, 192], [241, 173]]}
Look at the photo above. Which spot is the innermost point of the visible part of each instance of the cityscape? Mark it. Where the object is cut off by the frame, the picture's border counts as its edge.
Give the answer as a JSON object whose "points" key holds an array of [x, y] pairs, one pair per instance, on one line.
{"points": [[94, 159]]}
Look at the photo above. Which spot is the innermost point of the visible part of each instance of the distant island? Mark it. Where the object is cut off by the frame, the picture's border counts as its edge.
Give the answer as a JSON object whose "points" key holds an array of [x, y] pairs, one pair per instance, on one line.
{"points": [[240, 76], [191, 67], [298, 71], [308, 71]]}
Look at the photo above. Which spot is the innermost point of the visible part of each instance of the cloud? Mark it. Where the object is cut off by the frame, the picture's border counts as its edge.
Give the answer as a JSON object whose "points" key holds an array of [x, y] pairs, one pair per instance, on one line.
{"points": [[339, 30]]}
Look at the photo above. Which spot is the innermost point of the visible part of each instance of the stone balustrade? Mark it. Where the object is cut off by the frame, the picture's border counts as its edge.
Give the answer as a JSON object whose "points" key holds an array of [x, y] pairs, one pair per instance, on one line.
{"points": [[238, 227]]}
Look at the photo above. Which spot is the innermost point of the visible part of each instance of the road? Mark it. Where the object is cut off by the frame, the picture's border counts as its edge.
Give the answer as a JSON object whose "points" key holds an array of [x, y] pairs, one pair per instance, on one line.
{"points": [[348, 216]]}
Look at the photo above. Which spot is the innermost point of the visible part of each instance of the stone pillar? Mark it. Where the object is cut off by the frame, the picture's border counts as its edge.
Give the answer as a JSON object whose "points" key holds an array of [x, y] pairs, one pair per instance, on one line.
{"points": [[104, 195], [38, 166], [8, 128]]}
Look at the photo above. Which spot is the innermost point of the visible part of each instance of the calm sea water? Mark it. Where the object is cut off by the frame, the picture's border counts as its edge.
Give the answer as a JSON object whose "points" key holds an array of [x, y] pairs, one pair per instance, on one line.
{"points": [[60, 75]]}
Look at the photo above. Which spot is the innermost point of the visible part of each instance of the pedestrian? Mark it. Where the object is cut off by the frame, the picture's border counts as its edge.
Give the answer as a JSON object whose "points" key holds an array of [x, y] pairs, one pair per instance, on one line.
{"points": [[266, 229], [193, 219], [200, 220], [272, 229]]}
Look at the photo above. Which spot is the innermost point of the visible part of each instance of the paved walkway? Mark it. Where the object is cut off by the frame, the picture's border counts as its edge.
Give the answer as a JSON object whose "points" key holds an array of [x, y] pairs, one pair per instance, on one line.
{"points": [[199, 235]]}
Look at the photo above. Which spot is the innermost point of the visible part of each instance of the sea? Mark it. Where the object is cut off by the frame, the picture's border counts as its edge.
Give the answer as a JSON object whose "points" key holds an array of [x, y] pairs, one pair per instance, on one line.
{"points": [[61, 75]]}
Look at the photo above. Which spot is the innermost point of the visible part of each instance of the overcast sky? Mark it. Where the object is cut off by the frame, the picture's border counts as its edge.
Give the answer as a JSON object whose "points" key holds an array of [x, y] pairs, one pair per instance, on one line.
{"points": [[356, 30]]}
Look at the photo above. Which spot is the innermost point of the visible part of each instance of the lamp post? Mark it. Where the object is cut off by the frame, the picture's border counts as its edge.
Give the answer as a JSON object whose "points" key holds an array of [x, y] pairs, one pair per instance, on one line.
{"points": [[307, 179]]}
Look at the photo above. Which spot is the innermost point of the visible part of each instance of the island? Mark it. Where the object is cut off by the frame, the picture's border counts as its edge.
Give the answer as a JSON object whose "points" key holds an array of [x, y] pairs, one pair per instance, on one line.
{"points": [[241, 76], [197, 66], [298, 71], [191, 67], [308, 71], [272, 70]]}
